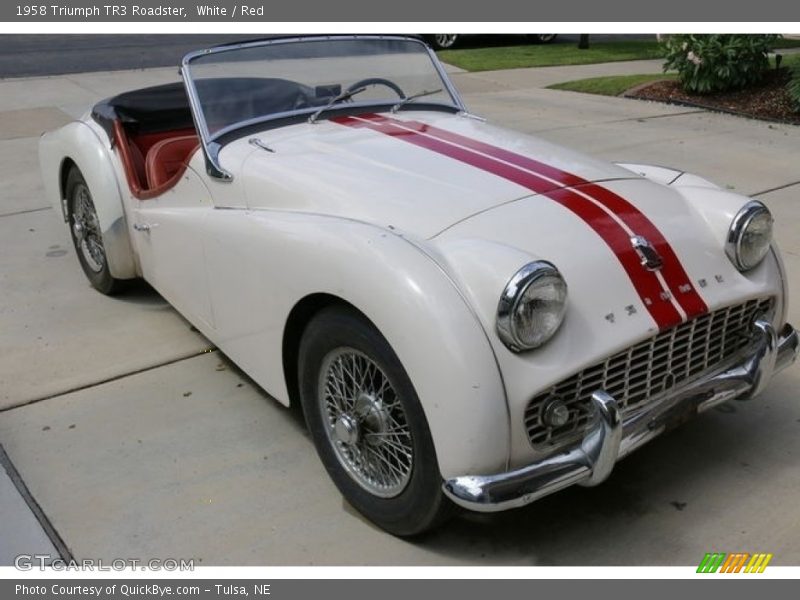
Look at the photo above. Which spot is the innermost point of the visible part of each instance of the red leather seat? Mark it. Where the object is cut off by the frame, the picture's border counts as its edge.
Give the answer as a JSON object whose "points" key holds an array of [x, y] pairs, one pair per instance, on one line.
{"points": [[167, 159]]}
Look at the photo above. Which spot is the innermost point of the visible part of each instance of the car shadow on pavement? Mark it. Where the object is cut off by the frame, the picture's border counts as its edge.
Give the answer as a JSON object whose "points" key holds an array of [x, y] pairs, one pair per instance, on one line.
{"points": [[138, 291]]}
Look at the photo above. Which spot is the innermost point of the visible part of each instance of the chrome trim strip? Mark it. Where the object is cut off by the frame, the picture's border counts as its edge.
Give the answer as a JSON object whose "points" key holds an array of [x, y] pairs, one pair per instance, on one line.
{"points": [[612, 437], [211, 148]]}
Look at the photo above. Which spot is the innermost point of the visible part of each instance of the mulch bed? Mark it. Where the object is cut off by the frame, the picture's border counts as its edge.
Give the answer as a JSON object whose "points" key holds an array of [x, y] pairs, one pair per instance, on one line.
{"points": [[768, 101]]}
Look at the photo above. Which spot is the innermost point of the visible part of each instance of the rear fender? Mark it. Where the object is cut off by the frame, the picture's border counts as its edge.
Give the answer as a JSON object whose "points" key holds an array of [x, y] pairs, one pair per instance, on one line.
{"points": [[89, 149]]}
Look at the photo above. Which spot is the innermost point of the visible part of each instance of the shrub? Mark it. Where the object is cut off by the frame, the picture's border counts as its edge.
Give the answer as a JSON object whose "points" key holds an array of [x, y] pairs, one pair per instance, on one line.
{"points": [[718, 62], [793, 87]]}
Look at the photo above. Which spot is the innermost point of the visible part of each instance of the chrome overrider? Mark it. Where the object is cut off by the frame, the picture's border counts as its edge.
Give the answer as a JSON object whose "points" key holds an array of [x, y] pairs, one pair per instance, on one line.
{"points": [[614, 435]]}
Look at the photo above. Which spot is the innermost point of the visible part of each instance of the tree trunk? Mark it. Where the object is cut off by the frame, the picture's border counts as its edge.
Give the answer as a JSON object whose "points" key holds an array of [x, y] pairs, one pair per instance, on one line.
{"points": [[583, 43]]}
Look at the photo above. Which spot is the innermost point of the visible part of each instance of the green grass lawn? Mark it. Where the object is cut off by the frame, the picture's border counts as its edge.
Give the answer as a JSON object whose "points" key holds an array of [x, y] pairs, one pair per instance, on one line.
{"points": [[789, 60], [534, 55], [610, 86], [614, 85]]}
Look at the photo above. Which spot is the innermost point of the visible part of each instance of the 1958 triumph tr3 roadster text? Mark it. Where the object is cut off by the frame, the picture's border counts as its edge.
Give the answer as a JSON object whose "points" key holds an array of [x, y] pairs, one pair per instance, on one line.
{"points": [[467, 315]]}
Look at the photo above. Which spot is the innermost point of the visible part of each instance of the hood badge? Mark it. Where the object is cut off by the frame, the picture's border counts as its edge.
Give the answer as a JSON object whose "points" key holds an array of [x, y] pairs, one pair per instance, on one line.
{"points": [[651, 259]]}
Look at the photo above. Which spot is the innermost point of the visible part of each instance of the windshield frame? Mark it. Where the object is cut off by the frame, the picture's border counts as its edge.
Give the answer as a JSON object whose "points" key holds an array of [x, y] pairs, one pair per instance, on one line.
{"points": [[213, 143]]}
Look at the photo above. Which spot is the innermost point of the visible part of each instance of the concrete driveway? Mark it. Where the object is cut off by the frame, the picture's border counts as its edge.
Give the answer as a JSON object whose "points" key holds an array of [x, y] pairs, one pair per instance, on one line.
{"points": [[135, 440]]}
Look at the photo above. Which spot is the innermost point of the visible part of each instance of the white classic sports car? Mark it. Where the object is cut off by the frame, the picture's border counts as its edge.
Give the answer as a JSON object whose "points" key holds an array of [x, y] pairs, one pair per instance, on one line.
{"points": [[467, 315]]}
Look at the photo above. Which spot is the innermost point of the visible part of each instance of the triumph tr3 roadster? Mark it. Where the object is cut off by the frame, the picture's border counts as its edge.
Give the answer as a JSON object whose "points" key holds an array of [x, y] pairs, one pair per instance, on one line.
{"points": [[467, 315]]}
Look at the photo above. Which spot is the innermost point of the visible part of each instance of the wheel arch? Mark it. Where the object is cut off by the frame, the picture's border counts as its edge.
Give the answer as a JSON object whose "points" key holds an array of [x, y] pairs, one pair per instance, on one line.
{"points": [[67, 164], [296, 321], [405, 294], [449, 373], [79, 145]]}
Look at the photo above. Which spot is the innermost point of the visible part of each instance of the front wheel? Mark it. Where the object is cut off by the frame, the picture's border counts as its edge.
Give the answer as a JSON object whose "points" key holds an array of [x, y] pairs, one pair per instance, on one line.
{"points": [[86, 234], [367, 423]]}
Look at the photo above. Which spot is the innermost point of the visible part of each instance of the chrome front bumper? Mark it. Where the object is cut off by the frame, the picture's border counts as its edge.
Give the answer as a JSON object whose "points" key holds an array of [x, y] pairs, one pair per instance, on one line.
{"points": [[613, 436]]}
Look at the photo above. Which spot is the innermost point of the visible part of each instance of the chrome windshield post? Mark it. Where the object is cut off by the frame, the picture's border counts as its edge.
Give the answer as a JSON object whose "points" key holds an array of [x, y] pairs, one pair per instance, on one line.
{"points": [[210, 149]]}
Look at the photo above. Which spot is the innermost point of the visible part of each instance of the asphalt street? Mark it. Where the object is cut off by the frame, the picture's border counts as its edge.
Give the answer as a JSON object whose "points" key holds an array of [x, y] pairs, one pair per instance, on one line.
{"points": [[42, 54], [135, 438], [33, 55]]}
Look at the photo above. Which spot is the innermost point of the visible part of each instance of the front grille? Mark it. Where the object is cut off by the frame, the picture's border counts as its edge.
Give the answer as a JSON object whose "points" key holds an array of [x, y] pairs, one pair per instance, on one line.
{"points": [[646, 370]]}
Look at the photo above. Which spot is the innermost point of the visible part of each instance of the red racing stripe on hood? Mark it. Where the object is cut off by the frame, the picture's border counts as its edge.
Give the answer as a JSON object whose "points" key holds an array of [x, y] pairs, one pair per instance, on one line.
{"points": [[678, 282], [646, 283]]}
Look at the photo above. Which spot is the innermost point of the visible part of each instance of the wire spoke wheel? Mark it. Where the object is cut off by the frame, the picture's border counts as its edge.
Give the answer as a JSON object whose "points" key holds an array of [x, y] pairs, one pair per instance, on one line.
{"points": [[368, 424], [365, 422], [87, 237], [86, 229]]}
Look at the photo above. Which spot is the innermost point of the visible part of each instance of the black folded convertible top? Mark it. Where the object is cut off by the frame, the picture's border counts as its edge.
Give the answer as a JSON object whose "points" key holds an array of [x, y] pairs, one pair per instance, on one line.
{"points": [[166, 107], [157, 108]]}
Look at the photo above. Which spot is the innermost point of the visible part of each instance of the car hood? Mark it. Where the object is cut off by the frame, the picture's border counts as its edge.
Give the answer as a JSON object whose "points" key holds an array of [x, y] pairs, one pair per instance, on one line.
{"points": [[484, 201], [411, 183]]}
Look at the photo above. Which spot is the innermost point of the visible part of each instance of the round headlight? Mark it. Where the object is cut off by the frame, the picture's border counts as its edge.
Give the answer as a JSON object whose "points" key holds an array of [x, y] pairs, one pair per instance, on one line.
{"points": [[532, 306], [749, 236]]}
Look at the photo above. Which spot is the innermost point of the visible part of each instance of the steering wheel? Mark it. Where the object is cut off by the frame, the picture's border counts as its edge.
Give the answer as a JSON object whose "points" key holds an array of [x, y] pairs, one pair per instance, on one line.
{"points": [[378, 81]]}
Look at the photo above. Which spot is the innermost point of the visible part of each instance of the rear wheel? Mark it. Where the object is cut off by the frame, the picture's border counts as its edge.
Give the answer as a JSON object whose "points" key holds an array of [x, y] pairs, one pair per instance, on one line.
{"points": [[86, 234], [367, 423]]}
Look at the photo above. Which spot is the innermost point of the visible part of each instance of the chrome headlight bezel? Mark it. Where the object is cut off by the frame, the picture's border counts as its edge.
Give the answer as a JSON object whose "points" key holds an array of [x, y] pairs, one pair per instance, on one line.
{"points": [[739, 228], [535, 273]]}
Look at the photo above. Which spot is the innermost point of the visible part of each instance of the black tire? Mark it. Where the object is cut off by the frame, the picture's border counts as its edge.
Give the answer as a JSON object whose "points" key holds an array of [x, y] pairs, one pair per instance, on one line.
{"points": [[86, 236], [420, 504], [443, 41]]}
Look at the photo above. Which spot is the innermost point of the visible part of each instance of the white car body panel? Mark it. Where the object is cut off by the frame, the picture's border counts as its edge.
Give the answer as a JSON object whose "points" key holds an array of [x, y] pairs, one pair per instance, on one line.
{"points": [[172, 251]]}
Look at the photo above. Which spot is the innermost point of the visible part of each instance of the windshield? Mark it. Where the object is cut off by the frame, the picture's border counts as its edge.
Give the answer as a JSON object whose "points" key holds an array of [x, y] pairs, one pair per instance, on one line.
{"points": [[238, 85]]}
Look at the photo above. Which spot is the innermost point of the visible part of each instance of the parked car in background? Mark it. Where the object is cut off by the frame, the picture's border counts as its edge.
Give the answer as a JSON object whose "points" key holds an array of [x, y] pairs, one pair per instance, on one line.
{"points": [[467, 315], [443, 41]]}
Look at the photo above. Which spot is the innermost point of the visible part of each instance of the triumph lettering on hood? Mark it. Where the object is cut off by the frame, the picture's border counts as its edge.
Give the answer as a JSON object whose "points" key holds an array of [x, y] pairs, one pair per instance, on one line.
{"points": [[650, 262]]}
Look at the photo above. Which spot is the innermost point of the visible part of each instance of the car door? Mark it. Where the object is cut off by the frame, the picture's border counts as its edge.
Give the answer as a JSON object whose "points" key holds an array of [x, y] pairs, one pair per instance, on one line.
{"points": [[168, 232]]}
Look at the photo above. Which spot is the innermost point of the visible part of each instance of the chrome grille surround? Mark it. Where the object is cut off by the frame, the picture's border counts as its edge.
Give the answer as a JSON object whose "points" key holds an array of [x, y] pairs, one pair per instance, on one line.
{"points": [[646, 370]]}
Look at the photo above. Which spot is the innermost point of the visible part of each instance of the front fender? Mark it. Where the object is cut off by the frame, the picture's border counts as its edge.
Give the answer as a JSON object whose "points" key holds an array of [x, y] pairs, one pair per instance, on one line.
{"points": [[262, 263], [90, 150]]}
